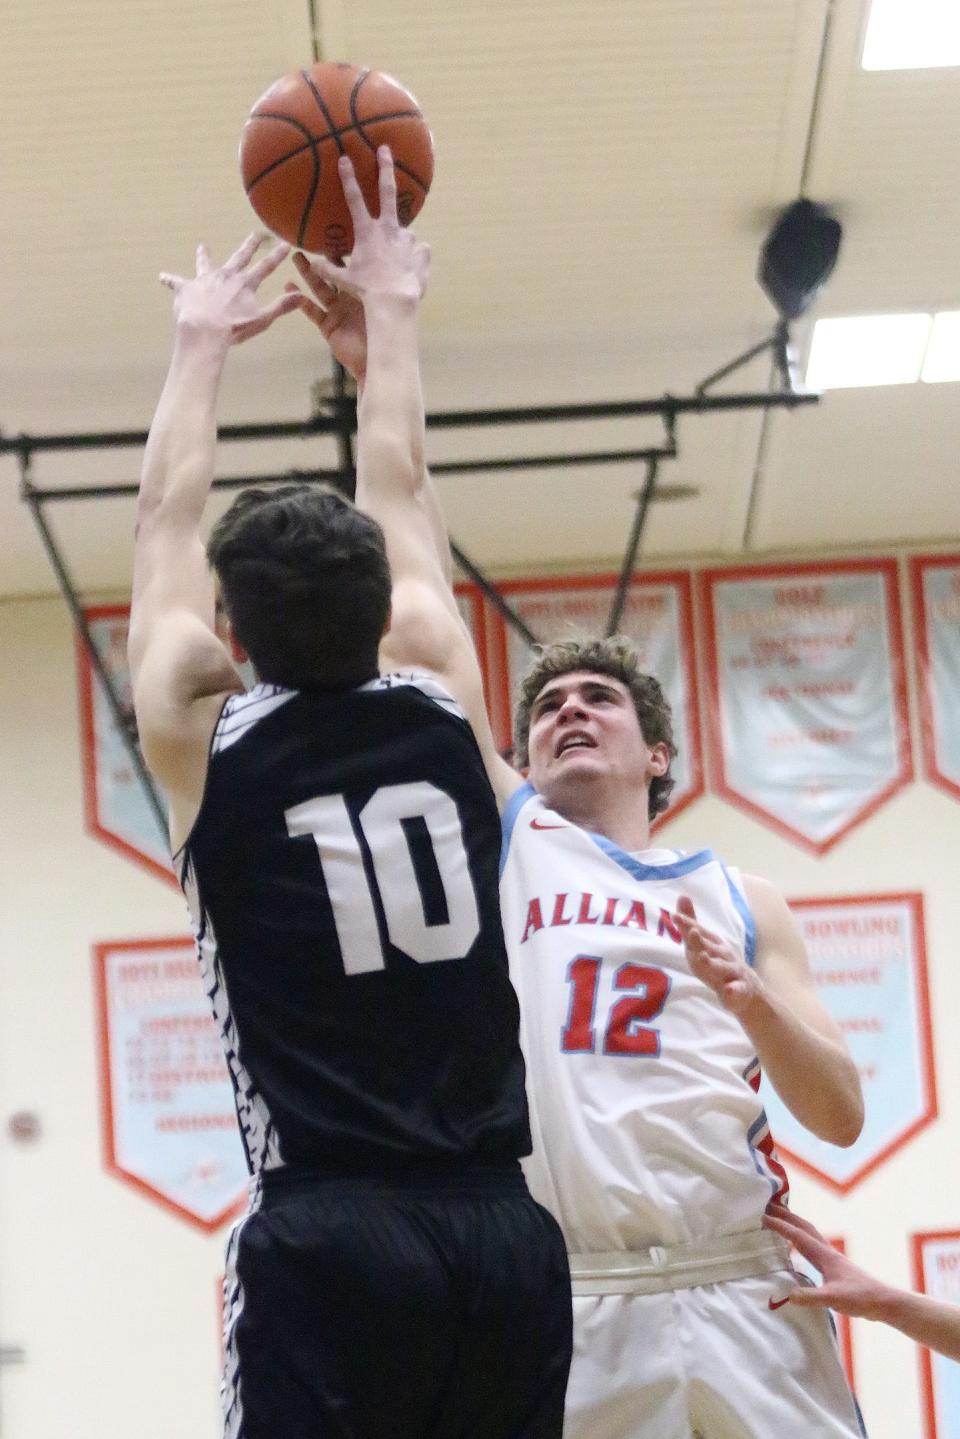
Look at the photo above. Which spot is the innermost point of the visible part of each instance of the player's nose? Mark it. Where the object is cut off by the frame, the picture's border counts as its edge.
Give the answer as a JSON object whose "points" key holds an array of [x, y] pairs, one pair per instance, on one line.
{"points": [[571, 708]]}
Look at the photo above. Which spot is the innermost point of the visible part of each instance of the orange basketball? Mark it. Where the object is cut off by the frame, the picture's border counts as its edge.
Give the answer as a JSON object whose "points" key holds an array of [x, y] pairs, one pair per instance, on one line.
{"points": [[297, 130]]}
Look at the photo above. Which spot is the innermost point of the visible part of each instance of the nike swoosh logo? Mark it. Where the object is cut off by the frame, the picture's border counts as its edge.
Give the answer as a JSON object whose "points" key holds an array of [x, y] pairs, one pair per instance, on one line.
{"points": [[777, 1303], [535, 824]]}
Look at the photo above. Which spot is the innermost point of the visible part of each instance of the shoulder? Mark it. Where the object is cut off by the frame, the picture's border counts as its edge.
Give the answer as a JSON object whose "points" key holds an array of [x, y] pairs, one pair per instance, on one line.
{"points": [[779, 936], [424, 683], [764, 898], [524, 817]]}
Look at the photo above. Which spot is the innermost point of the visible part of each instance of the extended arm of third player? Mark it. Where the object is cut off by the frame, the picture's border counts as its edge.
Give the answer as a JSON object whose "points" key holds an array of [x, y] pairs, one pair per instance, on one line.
{"points": [[849, 1290]]}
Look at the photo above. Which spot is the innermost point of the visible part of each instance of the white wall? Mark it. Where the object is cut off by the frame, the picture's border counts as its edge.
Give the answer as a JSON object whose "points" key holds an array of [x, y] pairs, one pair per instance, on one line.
{"points": [[113, 1298]]}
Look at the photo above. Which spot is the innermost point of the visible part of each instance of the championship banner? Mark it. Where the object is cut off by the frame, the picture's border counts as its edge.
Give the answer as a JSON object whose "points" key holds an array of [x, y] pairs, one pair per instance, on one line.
{"points": [[169, 1122], [868, 959], [116, 810], [936, 1269], [809, 725], [657, 616], [935, 582]]}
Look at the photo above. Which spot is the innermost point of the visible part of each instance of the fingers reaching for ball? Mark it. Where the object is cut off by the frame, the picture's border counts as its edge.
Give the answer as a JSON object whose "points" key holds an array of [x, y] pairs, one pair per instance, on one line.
{"points": [[388, 184], [353, 195], [257, 273], [323, 288]]}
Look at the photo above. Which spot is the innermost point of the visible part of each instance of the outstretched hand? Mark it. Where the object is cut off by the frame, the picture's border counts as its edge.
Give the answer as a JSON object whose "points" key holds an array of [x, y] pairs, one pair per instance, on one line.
{"points": [[222, 300], [845, 1288], [717, 963], [338, 316], [386, 259]]}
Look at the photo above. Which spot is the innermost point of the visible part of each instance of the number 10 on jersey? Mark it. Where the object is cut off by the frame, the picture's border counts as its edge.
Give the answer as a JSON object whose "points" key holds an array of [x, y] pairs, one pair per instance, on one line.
{"points": [[418, 869]]}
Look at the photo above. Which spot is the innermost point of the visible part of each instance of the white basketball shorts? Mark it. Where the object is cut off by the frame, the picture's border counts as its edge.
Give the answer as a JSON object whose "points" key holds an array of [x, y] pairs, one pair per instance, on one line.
{"points": [[723, 1360]]}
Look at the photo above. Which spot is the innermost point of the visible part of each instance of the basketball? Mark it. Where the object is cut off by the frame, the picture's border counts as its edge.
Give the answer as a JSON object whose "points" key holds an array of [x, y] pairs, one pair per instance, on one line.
{"points": [[298, 129]]}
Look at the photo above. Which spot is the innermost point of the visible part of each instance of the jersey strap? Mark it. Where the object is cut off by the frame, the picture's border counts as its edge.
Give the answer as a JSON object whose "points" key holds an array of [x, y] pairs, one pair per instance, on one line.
{"points": [[421, 680], [241, 712]]}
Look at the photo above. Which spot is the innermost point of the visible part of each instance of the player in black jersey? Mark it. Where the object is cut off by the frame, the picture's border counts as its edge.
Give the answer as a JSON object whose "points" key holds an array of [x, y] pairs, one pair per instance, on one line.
{"points": [[338, 841]]}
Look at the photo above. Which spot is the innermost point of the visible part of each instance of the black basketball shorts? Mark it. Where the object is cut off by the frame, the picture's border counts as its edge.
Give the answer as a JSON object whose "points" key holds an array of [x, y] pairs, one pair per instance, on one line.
{"points": [[371, 1309]]}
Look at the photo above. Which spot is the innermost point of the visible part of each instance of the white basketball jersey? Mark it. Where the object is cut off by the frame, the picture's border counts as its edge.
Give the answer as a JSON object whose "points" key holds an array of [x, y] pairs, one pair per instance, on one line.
{"points": [[647, 1127]]}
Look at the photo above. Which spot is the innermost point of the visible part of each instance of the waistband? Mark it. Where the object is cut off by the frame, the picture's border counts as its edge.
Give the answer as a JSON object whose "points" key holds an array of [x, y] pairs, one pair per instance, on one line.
{"points": [[681, 1266], [431, 1176]]}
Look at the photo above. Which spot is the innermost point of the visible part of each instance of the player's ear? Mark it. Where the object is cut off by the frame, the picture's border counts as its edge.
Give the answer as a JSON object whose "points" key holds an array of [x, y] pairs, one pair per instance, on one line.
{"points": [[237, 652], [659, 758]]}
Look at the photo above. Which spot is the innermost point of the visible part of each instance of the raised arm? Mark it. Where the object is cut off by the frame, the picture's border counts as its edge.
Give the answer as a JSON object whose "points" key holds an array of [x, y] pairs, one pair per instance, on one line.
{"points": [[339, 317], [179, 667], [849, 1290], [387, 275], [800, 1048]]}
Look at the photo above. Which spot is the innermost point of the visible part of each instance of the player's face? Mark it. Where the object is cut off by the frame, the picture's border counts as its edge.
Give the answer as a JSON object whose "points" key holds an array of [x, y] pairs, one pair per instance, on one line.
{"points": [[584, 728]]}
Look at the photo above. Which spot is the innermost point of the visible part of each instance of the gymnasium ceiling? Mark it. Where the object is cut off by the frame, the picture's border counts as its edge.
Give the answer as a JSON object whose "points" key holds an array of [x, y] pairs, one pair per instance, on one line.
{"points": [[606, 172]]}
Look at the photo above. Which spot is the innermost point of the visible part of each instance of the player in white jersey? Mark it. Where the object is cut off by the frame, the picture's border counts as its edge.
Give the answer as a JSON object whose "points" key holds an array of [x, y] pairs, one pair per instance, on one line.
{"points": [[612, 1015], [653, 986]]}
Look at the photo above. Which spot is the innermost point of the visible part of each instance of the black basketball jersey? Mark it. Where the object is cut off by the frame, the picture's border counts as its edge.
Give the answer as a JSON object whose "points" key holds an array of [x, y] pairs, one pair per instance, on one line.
{"points": [[342, 877]]}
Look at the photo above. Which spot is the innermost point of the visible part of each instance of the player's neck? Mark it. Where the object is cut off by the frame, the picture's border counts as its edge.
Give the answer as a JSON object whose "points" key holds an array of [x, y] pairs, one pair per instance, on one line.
{"points": [[619, 814]]}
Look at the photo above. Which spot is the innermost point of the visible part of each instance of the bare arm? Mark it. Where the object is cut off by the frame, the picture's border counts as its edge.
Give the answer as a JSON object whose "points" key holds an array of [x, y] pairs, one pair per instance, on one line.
{"points": [[849, 1290], [386, 274], [179, 667], [339, 317], [777, 1004]]}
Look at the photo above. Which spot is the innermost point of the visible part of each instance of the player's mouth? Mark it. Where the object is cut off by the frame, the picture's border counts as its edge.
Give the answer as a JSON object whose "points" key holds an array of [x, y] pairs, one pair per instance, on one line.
{"points": [[575, 740]]}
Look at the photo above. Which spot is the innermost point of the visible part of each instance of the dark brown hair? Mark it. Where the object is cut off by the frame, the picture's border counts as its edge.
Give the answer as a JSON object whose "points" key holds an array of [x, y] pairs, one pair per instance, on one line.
{"points": [[616, 657], [305, 582]]}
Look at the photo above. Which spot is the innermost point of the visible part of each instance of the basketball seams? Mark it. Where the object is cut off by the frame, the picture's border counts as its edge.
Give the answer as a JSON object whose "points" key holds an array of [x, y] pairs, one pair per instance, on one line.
{"points": [[324, 111], [373, 120], [315, 140], [309, 144]]}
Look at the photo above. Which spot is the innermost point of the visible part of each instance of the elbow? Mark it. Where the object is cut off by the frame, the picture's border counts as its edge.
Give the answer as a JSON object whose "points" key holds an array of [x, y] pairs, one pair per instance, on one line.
{"points": [[848, 1131], [846, 1121]]}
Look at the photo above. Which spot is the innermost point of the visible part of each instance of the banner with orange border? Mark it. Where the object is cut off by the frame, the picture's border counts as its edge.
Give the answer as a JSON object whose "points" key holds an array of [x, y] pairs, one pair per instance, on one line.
{"points": [[868, 959], [169, 1122], [809, 723], [936, 1272], [935, 585]]}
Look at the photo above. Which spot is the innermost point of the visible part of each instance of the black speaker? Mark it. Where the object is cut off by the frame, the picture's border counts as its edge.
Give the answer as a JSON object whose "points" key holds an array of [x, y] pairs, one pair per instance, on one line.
{"points": [[798, 256]]}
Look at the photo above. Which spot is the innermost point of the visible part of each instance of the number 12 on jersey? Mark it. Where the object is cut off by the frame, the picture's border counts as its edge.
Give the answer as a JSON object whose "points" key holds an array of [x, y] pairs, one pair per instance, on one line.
{"points": [[627, 1029]]}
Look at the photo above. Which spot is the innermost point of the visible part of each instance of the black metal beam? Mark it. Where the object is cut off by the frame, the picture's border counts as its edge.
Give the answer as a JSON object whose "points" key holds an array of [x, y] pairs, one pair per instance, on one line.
{"points": [[633, 544], [343, 478], [668, 406]]}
